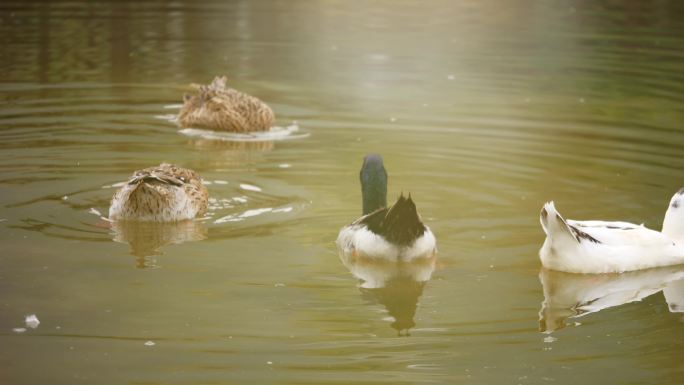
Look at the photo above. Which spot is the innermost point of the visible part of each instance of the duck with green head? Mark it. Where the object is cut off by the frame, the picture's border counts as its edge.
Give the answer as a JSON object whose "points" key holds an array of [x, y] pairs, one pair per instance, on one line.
{"points": [[392, 234]]}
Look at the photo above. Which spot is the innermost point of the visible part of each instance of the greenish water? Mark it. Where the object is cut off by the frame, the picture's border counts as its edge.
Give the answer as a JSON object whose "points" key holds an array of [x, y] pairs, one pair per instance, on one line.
{"points": [[482, 110]]}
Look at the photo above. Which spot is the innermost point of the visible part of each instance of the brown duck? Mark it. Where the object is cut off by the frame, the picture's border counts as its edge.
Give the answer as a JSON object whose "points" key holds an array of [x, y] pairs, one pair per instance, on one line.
{"points": [[220, 108], [165, 193]]}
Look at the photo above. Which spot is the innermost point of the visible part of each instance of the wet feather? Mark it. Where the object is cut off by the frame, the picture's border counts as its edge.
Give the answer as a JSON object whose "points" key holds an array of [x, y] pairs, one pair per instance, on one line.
{"points": [[164, 193], [221, 108]]}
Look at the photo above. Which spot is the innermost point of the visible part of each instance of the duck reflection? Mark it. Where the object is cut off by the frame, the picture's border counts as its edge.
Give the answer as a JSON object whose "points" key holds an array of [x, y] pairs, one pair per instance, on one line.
{"points": [[146, 238], [570, 295], [227, 153], [227, 145], [395, 285]]}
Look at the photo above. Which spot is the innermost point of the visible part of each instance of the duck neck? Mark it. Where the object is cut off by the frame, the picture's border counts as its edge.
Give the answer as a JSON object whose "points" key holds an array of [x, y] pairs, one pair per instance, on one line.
{"points": [[373, 184], [374, 197]]}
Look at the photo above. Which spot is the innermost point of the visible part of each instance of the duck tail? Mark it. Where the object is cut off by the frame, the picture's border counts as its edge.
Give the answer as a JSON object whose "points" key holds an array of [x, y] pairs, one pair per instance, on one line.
{"points": [[218, 84], [154, 177], [402, 222], [553, 223]]}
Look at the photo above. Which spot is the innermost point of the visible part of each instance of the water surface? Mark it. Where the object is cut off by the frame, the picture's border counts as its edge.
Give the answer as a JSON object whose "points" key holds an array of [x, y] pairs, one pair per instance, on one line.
{"points": [[482, 110]]}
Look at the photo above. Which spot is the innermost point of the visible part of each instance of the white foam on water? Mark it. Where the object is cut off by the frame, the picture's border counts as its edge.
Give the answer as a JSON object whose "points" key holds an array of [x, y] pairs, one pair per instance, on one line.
{"points": [[228, 218], [32, 321], [252, 213], [249, 187], [243, 215], [275, 133], [167, 117], [255, 212]]}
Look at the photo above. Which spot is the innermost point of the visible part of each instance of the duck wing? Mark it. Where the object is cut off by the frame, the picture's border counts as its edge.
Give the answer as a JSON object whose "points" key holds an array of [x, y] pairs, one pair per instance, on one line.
{"points": [[620, 233], [599, 232]]}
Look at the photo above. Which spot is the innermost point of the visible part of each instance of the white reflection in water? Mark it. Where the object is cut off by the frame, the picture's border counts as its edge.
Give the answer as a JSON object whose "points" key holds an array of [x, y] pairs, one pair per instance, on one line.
{"points": [[395, 285], [569, 295]]}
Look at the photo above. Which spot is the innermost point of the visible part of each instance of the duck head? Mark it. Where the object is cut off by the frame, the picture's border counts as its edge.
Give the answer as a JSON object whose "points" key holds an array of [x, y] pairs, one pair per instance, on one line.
{"points": [[673, 224], [373, 183]]}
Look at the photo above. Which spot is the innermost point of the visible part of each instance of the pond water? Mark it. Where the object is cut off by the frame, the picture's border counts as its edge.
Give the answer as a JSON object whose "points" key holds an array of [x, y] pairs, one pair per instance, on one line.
{"points": [[483, 111]]}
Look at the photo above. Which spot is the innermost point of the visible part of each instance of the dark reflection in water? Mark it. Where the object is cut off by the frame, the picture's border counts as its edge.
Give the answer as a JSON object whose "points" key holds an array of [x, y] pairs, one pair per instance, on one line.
{"points": [[395, 285], [568, 295], [147, 238], [400, 297]]}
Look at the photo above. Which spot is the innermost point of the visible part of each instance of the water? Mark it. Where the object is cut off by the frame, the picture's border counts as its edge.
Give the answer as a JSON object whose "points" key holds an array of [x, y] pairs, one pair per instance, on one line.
{"points": [[482, 110]]}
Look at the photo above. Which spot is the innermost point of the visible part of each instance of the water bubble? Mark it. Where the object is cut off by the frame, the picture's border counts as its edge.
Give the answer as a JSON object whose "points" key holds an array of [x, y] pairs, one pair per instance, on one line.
{"points": [[32, 321]]}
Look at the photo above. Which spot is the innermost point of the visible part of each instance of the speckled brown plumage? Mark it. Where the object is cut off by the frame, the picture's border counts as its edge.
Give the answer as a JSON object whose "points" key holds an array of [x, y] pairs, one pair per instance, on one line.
{"points": [[164, 193], [218, 107]]}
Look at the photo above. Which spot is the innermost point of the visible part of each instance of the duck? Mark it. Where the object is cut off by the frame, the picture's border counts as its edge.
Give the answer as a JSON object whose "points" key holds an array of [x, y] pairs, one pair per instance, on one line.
{"points": [[394, 234], [611, 247], [220, 108], [164, 193]]}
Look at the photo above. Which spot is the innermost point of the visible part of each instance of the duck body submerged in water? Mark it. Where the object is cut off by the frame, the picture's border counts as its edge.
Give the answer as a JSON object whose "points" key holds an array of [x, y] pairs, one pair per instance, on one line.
{"points": [[611, 247], [165, 193], [220, 108], [394, 234]]}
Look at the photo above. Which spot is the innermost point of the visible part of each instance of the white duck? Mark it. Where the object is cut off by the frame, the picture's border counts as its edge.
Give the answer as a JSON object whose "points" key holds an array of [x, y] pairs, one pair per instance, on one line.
{"points": [[393, 234], [611, 247]]}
